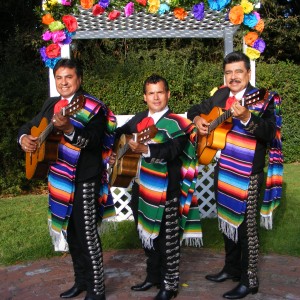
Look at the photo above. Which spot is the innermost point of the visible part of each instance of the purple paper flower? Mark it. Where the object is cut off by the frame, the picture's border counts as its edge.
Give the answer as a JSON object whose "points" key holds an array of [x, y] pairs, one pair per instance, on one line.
{"points": [[198, 11], [129, 9], [58, 36], [257, 15], [250, 20], [47, 36], [259, 45], [43, 53], [218, 4], [163, 8], [66, 2], [104, 3]]}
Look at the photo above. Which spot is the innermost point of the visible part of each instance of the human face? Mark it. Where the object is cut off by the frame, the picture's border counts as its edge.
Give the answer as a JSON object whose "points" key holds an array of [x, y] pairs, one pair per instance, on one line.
{"points": [[67, 82], [156, 96], [237, 76]]}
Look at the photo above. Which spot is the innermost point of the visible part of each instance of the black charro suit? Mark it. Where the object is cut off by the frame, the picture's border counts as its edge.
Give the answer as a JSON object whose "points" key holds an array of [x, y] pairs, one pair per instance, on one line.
{"points": [[157, 258], [263, 128], [87, 262]]}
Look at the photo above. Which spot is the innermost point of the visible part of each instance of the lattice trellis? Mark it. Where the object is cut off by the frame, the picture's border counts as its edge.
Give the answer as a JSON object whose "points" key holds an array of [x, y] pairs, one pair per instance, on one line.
{"points": [[145, 25], [204, 192]]}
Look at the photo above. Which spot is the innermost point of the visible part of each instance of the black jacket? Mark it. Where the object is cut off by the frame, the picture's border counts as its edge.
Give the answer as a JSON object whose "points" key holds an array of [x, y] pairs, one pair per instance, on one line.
{"points": [[168, 151], [90, 159], [263, 128]]}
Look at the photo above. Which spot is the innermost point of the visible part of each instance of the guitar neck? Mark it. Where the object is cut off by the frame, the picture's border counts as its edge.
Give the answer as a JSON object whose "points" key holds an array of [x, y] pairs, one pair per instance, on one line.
{"points": [[122, 151], [43, 136], [215, 123]]}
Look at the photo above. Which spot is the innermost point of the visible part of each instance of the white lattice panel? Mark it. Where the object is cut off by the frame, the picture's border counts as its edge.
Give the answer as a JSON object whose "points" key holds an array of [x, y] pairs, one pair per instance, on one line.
{"points": [[204, 192]]}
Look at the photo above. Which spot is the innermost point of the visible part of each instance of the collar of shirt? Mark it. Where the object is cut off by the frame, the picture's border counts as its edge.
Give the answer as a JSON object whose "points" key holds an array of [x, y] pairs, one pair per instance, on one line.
{"points": [[69, 98], [238, 95], [157, 115]]}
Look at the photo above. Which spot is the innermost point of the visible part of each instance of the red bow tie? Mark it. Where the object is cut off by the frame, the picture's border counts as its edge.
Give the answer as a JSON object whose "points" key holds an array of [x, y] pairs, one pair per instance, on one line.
{"points": [[59, 105], [229, 102]]}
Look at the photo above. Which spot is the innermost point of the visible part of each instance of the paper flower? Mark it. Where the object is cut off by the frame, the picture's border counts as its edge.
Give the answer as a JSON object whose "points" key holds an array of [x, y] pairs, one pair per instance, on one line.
{"points": [[129, 9], [252, 53], [236, 15], [114, 14], [259, 45], [198, 11], [247, 6], [218, 4], [180, 13], [250, 38], [98, 10], [70, 23]]}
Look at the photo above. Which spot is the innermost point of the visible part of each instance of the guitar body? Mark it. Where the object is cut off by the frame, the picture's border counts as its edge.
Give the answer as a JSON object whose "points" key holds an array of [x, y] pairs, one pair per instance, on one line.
{"points": [[126, 164], [208, 145], [37, 163], [125, 168]]}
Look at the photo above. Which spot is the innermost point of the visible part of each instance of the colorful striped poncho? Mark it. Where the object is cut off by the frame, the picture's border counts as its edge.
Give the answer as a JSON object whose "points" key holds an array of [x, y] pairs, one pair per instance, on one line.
{"points": [[61, 177], [154, 183], [236, 167]]}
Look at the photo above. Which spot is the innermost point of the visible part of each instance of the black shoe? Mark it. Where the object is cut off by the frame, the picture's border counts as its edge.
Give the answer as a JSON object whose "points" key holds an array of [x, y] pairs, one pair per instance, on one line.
{"points": [[146, 285], [222, 276], [240, 291], [165, 295], [95, 297], [72, 292]]}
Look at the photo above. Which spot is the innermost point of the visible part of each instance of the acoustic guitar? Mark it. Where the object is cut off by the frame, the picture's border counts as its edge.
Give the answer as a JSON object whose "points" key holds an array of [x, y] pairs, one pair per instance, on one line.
{"points": [[126, 164], [220, 124], [37, 163]]}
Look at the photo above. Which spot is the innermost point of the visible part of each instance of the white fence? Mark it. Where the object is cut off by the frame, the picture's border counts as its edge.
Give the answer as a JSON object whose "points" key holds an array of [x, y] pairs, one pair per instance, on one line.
{"points": [[204, 190]]}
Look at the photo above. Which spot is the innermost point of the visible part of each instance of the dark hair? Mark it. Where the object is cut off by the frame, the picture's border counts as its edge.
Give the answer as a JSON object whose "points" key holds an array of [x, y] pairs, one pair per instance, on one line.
{"points": [[153, 79], [236, 57], [71, 64]]}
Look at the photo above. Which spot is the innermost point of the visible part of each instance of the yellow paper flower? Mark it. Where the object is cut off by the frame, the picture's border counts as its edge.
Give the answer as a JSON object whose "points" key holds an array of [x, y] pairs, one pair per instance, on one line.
{"points": [[49, 4], [252, 53], [153, 6], [247, 6]]}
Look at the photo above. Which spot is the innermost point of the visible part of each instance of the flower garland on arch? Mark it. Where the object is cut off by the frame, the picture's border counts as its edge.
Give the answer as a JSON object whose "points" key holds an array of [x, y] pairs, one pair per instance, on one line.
{"points": [[60, 25]]}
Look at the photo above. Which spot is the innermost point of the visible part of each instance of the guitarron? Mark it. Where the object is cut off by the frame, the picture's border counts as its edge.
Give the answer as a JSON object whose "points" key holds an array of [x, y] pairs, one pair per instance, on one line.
{"points": [[220, 124], [37, 163], [126, 164]]}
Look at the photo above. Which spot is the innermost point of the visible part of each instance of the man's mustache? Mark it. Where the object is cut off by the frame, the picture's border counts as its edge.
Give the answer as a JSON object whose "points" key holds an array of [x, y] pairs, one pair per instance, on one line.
{"points": [[235, 80]]}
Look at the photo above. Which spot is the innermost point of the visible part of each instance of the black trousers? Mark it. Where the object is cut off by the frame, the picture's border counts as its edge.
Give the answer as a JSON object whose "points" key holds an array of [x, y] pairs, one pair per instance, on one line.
{"points": [[163, 259], [241, 257], [83, 239]]}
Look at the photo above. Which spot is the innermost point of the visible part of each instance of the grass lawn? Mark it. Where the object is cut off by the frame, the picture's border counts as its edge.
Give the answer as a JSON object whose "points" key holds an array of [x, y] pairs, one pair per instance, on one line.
{"points": [[24, 232]]}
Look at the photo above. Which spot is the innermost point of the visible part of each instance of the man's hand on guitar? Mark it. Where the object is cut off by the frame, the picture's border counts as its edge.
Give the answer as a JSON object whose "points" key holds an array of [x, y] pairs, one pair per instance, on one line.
{"points": [[28, 143], [137, 147], [240, 112], [202, 125], [62, 123]]}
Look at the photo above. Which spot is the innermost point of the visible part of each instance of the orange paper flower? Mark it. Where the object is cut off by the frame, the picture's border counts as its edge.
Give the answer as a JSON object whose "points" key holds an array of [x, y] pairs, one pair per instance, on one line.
{"points": [[250, 38], [260, 26], [180, 13], [236, 15], [86, 4], [47, 19]]}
